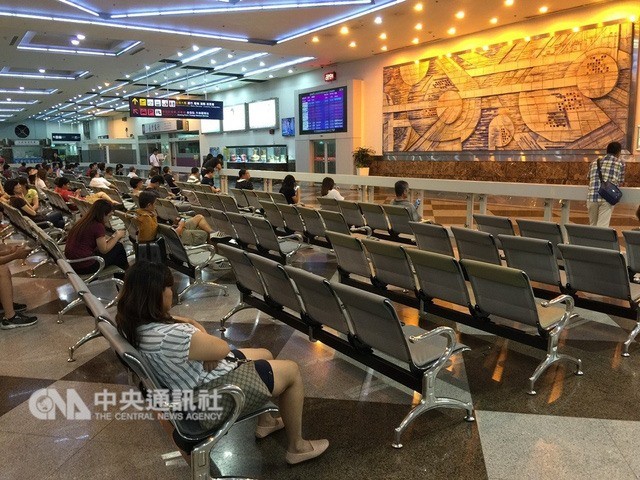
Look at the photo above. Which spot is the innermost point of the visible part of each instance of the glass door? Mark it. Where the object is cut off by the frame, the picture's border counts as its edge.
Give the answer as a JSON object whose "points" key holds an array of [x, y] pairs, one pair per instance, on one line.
{"points": [[324, 156]]}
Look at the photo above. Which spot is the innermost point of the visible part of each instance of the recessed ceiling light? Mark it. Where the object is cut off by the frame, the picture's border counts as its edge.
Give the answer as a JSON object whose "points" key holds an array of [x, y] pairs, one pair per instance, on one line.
{"points": [[212, 61], [417, 7], [344, 30], [8, 99], [42, 70], [460, 15], [179, 54], [633, 18], [80, 36], [415, 41], [383, 48], [181, 86], [543, 9], [75, 42], [99, 87], [448, 55], [576, 29], [127, 76], [21, 88], [452, 31], [93, 89], [177, 74], [527, 39], [494, 20], [383, 36], [195, 48], [244, 69], [508, 3], [155, 81], [270, 76], [418, 26], [106, 84], [290, 71], [377, 20], [262, 64], [315, 39], [352, 44], [485, 47], [229, 55]]}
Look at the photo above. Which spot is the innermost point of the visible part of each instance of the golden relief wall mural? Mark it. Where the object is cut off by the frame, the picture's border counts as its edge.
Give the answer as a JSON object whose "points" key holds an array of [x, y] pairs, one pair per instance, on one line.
{"points": [[562, 91]]}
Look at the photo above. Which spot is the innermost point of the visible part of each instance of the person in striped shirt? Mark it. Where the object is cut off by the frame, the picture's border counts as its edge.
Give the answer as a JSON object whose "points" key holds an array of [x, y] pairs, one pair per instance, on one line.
{"points": [[612, 168], [184, 357]]}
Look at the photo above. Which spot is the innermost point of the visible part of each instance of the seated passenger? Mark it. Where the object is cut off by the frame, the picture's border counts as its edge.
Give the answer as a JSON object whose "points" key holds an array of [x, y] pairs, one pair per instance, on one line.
{"points": [[137, 186], [207, 179], [12, 316], [167, 174], [290, 190], [132, 173], [31, 194], [192, 231], [97, 181], [185, 357], [402, 195], [329, 190], [108, 174], [244, 180], [40, 182], [88, 237], [18, 201], [62, 188], [194, 176]]}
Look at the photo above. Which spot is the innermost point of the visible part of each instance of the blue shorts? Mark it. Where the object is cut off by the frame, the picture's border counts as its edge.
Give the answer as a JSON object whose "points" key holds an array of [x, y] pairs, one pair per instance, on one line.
{"points": [[263, 368]]}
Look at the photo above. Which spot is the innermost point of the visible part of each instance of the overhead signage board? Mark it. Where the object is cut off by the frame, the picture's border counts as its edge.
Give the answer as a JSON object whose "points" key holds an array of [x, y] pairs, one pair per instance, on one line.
{"points": [[167, 125], [65, 137], [166, 108], [26, 143]]}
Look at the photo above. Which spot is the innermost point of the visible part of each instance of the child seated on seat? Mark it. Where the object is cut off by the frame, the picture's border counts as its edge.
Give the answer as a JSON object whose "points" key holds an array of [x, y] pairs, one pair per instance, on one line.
{"points": [[185, 357], [194, 231]]}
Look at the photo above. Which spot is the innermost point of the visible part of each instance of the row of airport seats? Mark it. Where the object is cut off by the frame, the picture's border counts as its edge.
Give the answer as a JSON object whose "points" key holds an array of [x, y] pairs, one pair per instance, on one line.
{"points": [[495, 290], [188, 434], [359, 324]]}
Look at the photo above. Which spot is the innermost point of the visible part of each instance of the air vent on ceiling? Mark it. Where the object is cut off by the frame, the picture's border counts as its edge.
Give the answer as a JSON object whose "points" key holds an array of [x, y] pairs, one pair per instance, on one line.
{"points": [[13, 40], [137, 51]]}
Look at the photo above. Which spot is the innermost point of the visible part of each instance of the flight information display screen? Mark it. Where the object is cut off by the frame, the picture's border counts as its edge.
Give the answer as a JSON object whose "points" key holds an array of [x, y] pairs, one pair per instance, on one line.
{"points": [[323, 111]]}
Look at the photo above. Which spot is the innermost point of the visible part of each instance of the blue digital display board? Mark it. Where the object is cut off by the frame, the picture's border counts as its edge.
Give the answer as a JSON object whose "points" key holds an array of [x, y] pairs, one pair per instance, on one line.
{"points": [[324, 111]]}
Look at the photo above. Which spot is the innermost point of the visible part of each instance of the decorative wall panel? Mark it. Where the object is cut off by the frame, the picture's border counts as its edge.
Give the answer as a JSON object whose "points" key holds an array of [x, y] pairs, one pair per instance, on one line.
{"points": [[569, 90]]}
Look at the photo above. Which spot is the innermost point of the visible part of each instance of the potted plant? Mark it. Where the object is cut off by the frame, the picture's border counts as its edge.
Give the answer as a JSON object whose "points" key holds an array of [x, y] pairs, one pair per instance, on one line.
{"points": [[362, 158]]}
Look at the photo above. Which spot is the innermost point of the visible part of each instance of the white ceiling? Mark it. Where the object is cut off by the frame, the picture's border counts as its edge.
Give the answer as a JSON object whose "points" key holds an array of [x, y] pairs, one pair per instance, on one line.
{"points": [[261, 37]]}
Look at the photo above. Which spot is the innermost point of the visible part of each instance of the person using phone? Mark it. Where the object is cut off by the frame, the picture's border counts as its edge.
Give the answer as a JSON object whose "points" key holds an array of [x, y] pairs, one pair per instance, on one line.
{"points": [[402, 198], [290, 190]]}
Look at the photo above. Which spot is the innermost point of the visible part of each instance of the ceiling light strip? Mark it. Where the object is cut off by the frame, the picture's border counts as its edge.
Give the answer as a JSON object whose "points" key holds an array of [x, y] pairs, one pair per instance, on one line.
{"points": [[12, 109], [67, 51], [141, 28], [204, 53], [126, 49], [80, 7], [240, 60], [278, 66], [19, 102], [37, 75], [197, 11], [340, 20]]}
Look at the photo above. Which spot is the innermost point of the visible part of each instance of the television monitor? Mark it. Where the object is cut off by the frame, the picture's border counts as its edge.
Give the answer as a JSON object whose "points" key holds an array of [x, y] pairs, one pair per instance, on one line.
{"points": [[263, 114], [234, 118], [210, 126], [324, 111], [289, 127]]}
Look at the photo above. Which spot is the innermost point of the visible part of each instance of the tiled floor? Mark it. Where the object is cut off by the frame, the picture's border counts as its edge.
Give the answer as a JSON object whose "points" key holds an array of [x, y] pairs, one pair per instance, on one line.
{"points": [[575, 428]]}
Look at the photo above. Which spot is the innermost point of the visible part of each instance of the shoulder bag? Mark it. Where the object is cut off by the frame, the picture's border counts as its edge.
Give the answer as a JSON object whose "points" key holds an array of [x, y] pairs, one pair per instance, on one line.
{"points": [[609, 191]]}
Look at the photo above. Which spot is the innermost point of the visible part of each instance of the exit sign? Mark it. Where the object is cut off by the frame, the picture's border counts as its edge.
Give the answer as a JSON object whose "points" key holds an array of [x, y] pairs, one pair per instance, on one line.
{"points": [[330, 76]]}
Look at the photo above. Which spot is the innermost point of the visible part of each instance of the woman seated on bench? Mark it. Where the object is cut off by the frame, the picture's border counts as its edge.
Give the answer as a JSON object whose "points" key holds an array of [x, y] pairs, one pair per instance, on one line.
{"points": [[185, 357]]}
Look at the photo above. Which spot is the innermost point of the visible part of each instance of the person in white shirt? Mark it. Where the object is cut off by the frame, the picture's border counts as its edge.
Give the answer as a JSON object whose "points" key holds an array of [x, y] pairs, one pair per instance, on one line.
{"points": [[154, 161], [194, 177], [329, 190], [132, 173], [98, 182]]}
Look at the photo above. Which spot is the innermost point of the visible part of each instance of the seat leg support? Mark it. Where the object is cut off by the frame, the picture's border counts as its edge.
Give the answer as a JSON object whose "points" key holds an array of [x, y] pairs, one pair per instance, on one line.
{"points": [[231, 313], [89, 336], [428, 402], [552, 357], [199, 281], [632, 337], [74, 304]]}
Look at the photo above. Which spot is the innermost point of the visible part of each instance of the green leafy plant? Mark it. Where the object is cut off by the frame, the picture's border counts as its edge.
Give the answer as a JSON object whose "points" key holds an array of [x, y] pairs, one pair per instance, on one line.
{"points": [[363, 157]]}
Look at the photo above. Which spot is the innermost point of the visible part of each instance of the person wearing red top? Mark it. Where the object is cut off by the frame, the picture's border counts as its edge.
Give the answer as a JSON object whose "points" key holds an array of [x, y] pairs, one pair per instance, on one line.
{"points": [[88, 237]]}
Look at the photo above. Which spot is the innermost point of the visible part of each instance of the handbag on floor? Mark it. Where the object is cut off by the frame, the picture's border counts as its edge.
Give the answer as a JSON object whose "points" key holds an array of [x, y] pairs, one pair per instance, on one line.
{"points": [[609, 191]]}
